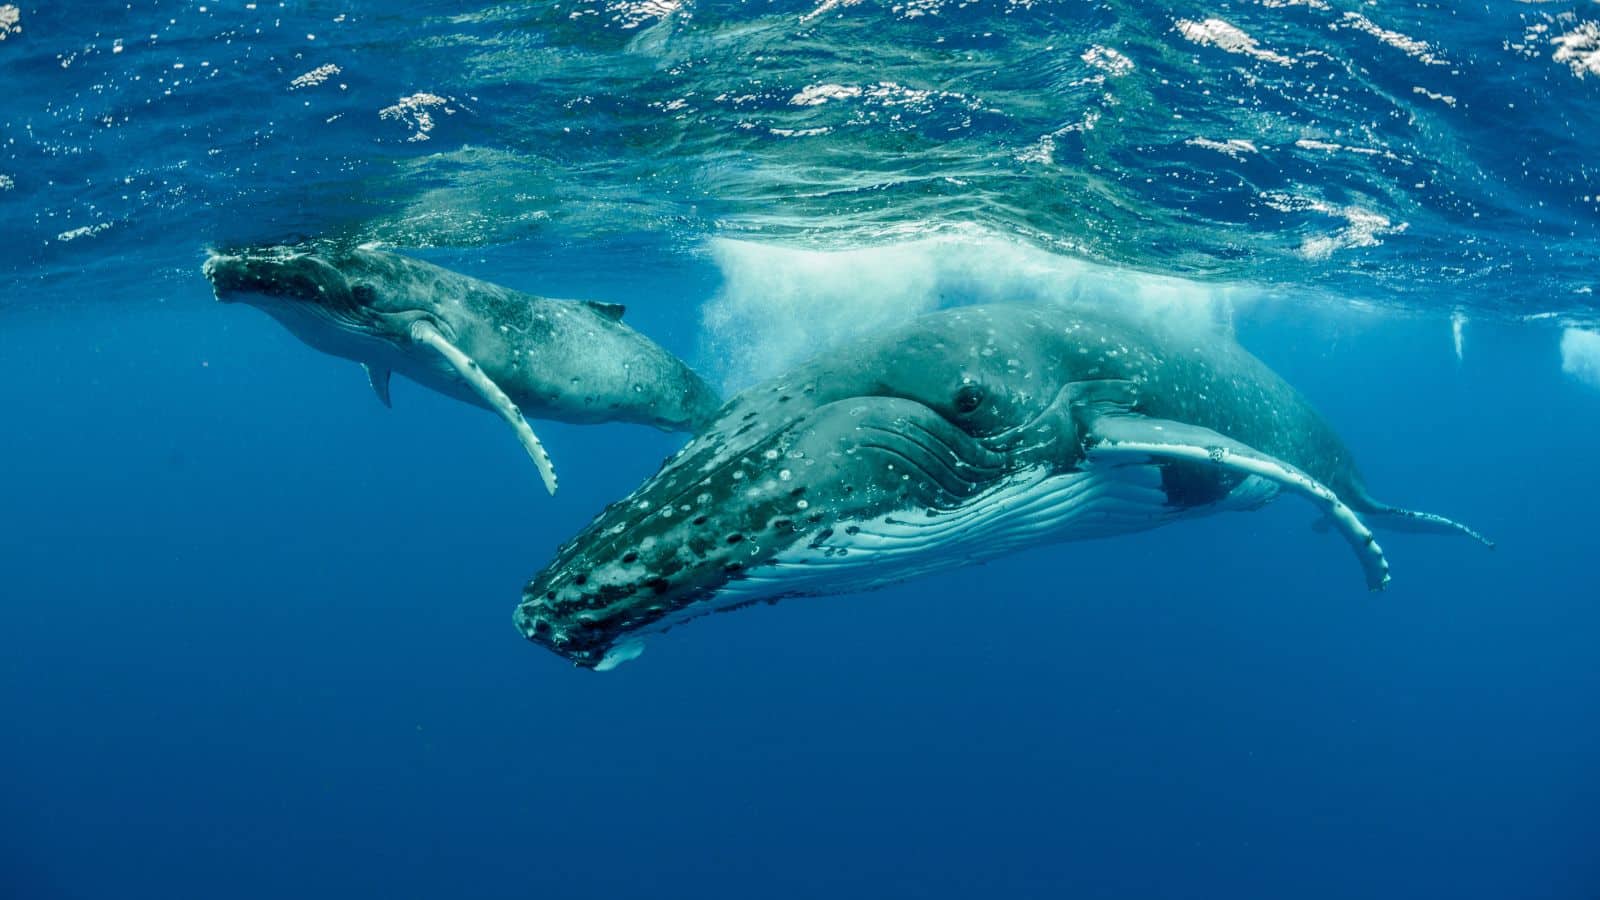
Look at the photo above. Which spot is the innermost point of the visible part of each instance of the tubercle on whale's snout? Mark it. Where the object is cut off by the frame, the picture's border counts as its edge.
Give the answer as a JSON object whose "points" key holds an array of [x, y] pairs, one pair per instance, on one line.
{"points": [[225, 273], [626, 572], [699, 523]]}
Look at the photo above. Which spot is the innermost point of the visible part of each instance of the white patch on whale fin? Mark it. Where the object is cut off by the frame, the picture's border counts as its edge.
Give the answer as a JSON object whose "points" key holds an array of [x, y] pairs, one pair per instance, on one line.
{"points": [[625, 651], [379, 379], [1132, 436], [424, 333], [612, 311]]}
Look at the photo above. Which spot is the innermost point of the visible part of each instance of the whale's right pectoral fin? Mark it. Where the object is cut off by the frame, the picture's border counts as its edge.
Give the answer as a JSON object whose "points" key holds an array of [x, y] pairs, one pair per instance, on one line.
{"points": [[424, 333], [1113, 433]]}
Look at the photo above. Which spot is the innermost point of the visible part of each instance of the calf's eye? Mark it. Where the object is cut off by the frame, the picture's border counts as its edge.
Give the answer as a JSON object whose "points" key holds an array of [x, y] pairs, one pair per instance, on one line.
{"points": [[969, 398]]}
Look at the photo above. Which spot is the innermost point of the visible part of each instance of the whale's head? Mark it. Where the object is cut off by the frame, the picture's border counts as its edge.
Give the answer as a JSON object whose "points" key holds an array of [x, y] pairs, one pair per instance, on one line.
{"points": [[335, 298], [894, 456]]}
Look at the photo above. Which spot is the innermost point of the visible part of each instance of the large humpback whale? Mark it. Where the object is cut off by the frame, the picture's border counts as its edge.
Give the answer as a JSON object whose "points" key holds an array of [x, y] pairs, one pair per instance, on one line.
{"points": [[514, 353], [960, 437]]}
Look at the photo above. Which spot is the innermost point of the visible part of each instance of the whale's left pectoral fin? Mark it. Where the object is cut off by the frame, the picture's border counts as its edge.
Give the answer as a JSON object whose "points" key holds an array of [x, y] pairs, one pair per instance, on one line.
{"points": [[426, 334], [379, 379], [1125, 435]]}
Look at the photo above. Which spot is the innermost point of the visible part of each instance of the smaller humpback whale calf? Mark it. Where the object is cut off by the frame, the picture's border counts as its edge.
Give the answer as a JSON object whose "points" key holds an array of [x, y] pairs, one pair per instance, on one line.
{"points": [[519, 355], [960, 437]]}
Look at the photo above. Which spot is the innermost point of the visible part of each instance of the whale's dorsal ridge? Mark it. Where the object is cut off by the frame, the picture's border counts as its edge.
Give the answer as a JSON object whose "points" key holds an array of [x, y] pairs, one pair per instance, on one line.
{"points": [[612, 311]]}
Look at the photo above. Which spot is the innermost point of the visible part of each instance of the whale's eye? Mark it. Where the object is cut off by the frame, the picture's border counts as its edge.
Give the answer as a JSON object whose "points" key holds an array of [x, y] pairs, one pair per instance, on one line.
{"points": [[969, 398], [363, 293]]}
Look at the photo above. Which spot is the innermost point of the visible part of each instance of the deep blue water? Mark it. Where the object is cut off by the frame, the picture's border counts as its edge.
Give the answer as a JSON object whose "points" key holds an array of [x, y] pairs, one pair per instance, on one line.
{"points": [[258, 642], [257, 635]]}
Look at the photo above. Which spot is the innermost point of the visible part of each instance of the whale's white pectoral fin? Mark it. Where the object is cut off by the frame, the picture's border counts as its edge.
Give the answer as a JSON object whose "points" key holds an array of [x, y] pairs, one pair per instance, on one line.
{"points": [[425, 333], [379, 379], [1127, 435]]}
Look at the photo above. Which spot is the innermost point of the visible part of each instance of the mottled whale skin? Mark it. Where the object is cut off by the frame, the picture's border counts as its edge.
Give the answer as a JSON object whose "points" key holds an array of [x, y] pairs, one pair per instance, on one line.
{"points": [[964, 435], [517, 354]]}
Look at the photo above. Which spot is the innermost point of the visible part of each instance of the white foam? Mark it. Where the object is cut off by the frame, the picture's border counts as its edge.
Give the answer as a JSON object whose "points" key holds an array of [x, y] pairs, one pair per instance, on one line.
{"points": [[314, 77], [1580, 355], [827, 6], [1363, 227], [416, 112], [1228, 37], [634, 13], [816, 95], [1446, 99], [1579, 49], [1421, 51], [83, 231], [1107, 60], [1234, 147], [779, 305]]}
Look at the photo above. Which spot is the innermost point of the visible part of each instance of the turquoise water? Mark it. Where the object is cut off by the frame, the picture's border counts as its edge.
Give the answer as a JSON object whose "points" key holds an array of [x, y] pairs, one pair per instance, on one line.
{"points": [[257, 634]]}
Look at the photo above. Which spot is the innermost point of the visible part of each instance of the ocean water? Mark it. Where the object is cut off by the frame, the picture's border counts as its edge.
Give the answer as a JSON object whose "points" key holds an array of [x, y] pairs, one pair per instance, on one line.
{"points": [[257, 636]]}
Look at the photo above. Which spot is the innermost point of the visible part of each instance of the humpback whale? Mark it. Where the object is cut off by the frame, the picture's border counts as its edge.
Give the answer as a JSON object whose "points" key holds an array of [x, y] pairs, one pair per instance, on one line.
{"points": [[519, 355], [960, 437]]}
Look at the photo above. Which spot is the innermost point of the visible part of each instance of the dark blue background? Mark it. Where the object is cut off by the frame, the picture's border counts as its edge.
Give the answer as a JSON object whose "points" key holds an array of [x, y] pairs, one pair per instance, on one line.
{"points": [[257, 643]]}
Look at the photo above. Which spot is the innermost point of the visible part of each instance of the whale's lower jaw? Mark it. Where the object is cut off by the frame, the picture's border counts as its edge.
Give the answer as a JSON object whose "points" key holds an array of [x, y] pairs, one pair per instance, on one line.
{"points": [[1029, 508]]}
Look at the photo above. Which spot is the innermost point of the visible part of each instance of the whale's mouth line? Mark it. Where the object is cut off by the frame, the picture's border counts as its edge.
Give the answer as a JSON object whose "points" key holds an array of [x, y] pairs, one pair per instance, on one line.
{"points": [[288, 282], [277, 305]]}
